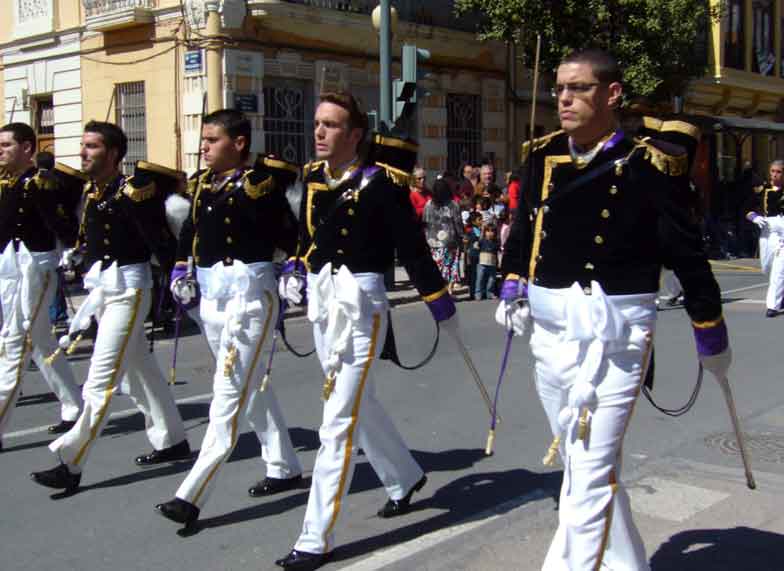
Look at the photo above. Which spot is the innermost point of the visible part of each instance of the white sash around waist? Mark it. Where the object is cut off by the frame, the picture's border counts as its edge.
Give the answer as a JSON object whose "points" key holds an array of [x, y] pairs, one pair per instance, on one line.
{"points": [[339, 300], [771, 241], [241, 286], [19, 272], [604, 323], [112, 281]]}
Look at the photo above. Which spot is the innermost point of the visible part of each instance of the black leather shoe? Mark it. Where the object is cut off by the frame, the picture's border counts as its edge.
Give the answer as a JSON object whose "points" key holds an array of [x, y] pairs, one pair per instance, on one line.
{"points": [[402, 506], [180, 451], [303, 561], [178, 511], [61, 427], [59, 477], [771, 313], [269, 486]]}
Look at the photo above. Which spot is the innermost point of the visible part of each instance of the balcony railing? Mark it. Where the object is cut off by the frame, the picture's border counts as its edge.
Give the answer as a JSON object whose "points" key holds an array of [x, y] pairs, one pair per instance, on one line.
{"points": [[105, 15], [438, 13]]}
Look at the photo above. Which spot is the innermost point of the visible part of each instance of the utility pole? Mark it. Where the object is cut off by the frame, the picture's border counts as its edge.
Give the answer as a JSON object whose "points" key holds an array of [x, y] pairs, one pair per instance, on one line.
{"points": [[214, 67]]}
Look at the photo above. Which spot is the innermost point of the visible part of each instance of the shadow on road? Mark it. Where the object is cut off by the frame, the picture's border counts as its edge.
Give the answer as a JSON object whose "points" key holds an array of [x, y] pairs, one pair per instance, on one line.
{"points": [[458, 501], [735, 549]]}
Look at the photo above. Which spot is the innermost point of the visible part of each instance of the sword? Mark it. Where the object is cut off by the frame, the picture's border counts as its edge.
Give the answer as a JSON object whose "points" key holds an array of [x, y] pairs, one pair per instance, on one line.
{"points": [[724, 383], [494, 418], [474, 373]]}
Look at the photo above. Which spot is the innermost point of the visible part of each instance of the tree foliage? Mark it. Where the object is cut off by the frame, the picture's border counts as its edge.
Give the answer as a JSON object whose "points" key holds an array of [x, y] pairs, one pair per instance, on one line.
{"points": [[660, 44]]}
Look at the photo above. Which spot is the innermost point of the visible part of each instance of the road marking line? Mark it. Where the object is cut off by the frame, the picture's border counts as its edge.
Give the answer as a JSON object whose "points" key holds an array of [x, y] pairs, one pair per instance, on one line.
{"points": [[670, 500], [747, 288], [381, 559], [119, 414]]}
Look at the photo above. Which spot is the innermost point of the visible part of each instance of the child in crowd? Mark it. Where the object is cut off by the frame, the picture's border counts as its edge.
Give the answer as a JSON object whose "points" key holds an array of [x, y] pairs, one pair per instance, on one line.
{"points": [[488, 264], [471, 243]]}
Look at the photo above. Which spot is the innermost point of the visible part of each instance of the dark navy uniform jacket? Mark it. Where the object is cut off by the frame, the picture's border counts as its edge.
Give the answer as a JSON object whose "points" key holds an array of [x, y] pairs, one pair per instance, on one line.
{"points": [[126, 224], [31, 211], [361, 224], [243, 217], [767, 200], [618, 227]]}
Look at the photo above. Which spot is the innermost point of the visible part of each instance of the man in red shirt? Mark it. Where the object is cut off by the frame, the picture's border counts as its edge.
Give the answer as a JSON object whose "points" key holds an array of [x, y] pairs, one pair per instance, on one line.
{"points": [[419, 194]]}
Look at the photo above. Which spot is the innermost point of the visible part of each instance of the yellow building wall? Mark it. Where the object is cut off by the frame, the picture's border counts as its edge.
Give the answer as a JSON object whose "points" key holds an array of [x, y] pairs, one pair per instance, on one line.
{"points": [[6, 21], [67, 14], [154, 63]]}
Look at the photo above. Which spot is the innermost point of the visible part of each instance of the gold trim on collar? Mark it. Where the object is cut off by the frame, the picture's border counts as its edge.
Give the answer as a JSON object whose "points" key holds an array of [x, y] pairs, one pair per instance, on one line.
{"points": [[549, 164], [396, 143], [530, 146]]}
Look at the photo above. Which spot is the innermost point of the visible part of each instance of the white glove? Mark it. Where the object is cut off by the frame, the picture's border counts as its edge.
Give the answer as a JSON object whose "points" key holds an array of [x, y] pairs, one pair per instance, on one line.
{"points": [[290, 288], [718, 364], [513, 315], [184, 290], [761, 222], [70, 258]]}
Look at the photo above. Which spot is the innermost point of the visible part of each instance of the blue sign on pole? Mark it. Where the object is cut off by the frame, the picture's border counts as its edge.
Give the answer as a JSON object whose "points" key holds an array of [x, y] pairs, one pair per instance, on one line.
{"points": [[246, 102], [193, 61]]}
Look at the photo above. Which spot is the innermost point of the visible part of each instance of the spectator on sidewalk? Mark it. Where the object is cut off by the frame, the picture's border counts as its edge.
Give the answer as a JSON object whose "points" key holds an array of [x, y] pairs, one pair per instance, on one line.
{"points": [[488, 264], [471, 246], [443, 230], [419, 194]]}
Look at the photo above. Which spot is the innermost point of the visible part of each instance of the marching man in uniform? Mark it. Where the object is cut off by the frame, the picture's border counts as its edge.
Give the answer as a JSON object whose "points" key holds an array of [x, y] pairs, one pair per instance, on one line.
{"points": [[353, 219], [765, 208], [603, 212], [239, 217], [32, 220], [123, 224]]}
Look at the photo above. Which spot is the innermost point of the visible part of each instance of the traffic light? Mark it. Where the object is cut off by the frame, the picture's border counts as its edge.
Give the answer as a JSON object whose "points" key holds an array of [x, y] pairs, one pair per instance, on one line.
{"points": [[405, 90]]}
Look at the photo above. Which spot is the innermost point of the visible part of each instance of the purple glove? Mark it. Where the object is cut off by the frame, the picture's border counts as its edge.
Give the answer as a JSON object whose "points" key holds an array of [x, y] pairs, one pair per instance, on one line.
{"points": [[184, 288], [442, 308], [512, 290]]}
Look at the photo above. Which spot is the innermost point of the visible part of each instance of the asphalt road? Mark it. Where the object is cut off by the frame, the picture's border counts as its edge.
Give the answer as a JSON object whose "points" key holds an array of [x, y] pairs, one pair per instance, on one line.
{"points": [[110, 522]]}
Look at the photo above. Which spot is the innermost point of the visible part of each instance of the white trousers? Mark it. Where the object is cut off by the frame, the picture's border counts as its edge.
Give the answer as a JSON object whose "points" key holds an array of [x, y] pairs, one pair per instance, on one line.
{"points": [[771, 246], [16, 355], [353, 417], [670, 284], [121, 349], [595, 528], [237, 396]]}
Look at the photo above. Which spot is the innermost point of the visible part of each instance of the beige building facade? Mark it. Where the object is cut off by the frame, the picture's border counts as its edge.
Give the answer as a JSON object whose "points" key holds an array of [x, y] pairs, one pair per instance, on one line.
{"points": [[142, 64]]}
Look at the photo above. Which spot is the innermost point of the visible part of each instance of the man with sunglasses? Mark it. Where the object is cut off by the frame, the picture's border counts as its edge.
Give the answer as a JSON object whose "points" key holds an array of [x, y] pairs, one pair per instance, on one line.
{"points": [[604, 213]]}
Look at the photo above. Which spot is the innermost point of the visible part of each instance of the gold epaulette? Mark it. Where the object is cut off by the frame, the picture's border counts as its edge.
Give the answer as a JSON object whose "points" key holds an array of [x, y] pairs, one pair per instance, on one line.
{"points": [[256, 191], [672, 126], [196, 179], [43, 181], [672, 165], [138, 194], [538, 143], [310, 167], [759, 189], [396, 175]]}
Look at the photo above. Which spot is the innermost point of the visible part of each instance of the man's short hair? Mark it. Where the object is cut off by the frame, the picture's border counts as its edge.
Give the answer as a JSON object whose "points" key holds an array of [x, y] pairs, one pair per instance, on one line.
{"points": [[235, 123], [21, 132], [44, 160], [777, 163], [113, 137], [604, 65], [356, 118]]}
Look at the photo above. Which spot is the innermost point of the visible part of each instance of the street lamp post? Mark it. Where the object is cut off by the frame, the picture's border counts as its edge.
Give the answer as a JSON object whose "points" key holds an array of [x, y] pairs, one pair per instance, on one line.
{"points": [[214, 67]]}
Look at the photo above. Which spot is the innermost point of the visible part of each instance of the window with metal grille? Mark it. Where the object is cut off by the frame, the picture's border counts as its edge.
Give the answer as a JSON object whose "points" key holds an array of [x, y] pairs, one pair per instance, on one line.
{"points": [[44, 116], [463, 130], [288, 119], [132, 118]]}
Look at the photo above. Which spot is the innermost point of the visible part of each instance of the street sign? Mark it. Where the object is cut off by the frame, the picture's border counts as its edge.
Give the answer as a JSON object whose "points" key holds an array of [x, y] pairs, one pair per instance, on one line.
{"points": [[246, 102], [194, 62]]}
